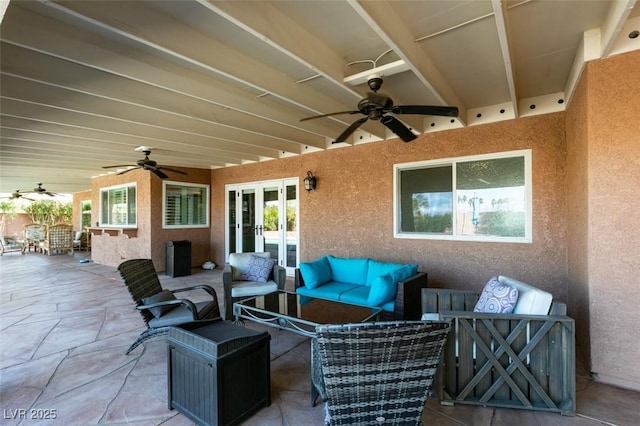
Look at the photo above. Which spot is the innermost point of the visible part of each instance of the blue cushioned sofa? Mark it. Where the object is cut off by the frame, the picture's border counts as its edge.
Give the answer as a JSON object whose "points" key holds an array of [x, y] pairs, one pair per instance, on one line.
{"points": [[394, 287]]}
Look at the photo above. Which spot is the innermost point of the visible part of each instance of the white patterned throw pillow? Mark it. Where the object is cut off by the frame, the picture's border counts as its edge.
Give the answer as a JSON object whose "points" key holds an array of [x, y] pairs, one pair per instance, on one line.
{"points": [[497, 298], [258, 269]]}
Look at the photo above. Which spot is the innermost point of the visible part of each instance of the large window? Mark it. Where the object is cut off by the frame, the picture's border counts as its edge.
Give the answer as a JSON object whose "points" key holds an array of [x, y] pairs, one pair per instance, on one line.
{"points": [[480, 198], [118, 206], [185, 205]]}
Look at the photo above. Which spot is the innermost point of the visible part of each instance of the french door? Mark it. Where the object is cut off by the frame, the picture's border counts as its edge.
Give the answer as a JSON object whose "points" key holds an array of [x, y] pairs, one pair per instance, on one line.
{"points": [[263, 216]]}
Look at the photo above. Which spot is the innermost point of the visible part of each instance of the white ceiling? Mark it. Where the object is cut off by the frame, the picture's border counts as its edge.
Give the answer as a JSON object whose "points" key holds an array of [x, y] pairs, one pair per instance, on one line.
{"points": [[219, 83]]}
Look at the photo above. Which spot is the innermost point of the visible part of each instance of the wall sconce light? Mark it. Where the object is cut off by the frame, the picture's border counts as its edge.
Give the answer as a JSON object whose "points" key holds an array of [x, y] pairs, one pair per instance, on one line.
{"points": [[310, 182]]}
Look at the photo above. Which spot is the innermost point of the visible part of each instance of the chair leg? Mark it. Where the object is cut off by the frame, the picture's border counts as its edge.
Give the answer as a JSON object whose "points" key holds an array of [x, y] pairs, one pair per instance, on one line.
{"points": [[146, 335]]}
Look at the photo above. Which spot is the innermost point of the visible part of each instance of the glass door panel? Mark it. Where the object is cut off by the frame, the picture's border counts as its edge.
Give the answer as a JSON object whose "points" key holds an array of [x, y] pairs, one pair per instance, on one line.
{"points": [[270, 227], [231, 221], [263, 216], [248, 225], [291, 230]]}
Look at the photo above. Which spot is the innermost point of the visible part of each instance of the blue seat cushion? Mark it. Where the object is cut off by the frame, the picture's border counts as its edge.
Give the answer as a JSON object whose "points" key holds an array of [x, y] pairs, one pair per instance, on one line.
{"points": [[331, 290], [357, 296], [349, 270], [315, 273], [389, 306]]}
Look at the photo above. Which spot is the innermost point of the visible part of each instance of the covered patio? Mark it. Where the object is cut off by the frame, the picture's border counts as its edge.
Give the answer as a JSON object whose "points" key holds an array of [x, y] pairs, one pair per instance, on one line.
{"points": [[65, 326]]}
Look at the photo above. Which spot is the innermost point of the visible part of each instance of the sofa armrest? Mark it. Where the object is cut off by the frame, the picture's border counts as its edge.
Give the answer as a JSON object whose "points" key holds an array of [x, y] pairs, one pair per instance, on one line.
{"points": [[407, 303], [280, 276], [298, 280], [227, 278]]}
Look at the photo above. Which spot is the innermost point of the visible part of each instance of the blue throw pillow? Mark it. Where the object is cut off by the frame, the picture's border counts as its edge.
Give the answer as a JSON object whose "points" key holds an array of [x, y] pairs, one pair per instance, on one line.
{"points": [[315, 273], [258, 269], [383, 289], [349, 270], [497, 298]]}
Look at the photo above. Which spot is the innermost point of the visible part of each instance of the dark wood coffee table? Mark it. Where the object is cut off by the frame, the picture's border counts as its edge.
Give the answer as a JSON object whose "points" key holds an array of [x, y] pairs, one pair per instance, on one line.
{"points": [[301, 314]]}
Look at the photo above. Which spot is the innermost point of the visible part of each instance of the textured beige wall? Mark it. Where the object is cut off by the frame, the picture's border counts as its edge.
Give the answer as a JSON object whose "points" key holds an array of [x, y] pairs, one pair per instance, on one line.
{"points": [[577, 119], [78, 198], [351, 212], [614, 217], [150, 239]]}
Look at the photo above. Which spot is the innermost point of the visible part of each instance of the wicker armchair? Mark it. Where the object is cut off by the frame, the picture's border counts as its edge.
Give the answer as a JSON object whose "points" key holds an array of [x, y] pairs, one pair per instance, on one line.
{"points": [[34, 233], [59, 238], [159, 308], [9, 244], [378, 373]]}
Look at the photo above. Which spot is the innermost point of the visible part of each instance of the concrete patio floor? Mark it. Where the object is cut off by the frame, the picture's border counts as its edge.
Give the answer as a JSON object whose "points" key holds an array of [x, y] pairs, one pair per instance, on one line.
{"points": [[65, 325]]}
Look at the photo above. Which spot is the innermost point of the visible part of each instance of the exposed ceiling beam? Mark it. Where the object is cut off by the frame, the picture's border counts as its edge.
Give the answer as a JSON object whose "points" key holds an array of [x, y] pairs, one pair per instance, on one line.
{"points": [[618, 14], [502, 25], [291, 39]]}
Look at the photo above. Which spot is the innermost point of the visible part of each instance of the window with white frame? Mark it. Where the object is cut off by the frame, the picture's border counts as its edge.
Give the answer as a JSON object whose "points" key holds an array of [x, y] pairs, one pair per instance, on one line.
{"points": [[118, 206], [185, 205], [478, 198]]}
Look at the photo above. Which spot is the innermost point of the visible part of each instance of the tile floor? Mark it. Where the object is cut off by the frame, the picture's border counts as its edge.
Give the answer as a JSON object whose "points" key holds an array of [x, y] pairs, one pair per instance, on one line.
{"points": [[64, 327]]}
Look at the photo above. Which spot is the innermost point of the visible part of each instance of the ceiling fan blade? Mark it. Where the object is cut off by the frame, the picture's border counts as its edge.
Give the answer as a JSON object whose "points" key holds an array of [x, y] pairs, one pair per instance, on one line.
{"points": [[398, 128], [172, 170], [446, 111], [329, 115], [158, 172], [117, 166], [128, 170], [352, 128]]}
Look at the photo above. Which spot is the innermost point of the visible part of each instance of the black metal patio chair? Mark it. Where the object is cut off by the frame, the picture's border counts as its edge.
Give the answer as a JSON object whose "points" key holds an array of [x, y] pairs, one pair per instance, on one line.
{"points": [[379, 373], [159, 308]]}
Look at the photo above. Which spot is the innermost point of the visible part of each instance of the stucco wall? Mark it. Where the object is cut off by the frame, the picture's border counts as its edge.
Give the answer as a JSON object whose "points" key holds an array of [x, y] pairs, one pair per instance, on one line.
{"points": [[149, 241], [14, 227], [78, 198], [614, 217], [577, 119], [351, 212]]}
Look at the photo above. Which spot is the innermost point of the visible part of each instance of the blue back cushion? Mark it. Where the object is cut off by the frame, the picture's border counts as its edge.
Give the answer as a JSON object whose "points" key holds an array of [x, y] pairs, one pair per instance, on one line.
{"points": [[378, 269], [349, 270], [316, 273]]}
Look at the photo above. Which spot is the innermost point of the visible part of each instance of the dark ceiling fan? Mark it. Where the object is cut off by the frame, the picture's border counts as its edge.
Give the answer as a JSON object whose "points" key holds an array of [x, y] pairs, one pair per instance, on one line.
{"points": [[146, 164], [376, 106], [40, 190], [16, 195]]}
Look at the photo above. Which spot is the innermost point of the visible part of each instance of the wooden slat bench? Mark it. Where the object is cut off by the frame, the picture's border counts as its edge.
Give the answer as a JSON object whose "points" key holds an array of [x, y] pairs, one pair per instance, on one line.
{"points": [[504, 360]]}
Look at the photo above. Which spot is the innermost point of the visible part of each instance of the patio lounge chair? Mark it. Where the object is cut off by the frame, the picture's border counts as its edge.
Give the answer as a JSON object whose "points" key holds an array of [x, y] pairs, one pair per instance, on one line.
{"points": [[525, 359], [159, 308], [59, 238], [34, 233], [378, 373], [238, 286], [8, 244]]}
